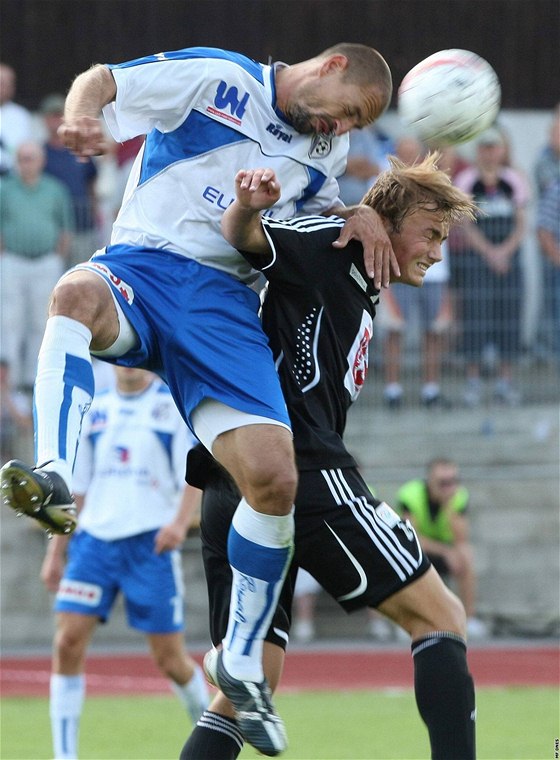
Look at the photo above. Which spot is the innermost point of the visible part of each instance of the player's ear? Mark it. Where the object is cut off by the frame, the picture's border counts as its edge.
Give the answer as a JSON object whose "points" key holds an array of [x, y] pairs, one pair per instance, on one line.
{"points": [[334, 63]]}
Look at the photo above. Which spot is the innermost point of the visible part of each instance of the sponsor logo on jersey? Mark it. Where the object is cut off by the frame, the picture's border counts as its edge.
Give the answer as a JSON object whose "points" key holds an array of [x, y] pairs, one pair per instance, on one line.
{"points": [[358, 357], [228, 103], [217, 197], [320, 146], [79, 592], [122, 454], [124, 288], [277, 131]]}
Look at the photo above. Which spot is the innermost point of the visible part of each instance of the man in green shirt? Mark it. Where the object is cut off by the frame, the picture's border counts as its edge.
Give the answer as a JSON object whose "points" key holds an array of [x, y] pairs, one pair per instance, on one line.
{"points": [[35, 227], [437, 507]]}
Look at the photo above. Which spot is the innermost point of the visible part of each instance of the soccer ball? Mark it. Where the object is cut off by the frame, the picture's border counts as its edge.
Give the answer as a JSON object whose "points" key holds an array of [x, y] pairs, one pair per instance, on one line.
{"points": [[449, 97]]}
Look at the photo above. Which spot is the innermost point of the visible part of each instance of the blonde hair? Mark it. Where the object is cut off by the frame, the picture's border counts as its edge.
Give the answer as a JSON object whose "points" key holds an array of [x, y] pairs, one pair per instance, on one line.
{"points": [[403, 189]]}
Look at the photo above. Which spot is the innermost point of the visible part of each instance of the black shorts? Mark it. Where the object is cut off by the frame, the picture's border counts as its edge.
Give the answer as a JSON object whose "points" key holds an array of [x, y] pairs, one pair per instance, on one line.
{"points": [[357, 548]]}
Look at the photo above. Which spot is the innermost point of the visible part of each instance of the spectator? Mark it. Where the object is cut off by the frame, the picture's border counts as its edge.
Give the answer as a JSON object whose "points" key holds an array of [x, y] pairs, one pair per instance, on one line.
{"points": [[16, 423], [16, 123], [430, 304], [488, 270], [548, 232], [128, 482], [367, 157], [79, 175], [36, 223], [437, 508], [547, 176], [547, 168]]}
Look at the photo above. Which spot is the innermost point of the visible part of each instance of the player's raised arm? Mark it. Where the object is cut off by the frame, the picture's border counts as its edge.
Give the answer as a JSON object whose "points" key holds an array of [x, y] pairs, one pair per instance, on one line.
{"points": [[82, 131], [256, 190]]}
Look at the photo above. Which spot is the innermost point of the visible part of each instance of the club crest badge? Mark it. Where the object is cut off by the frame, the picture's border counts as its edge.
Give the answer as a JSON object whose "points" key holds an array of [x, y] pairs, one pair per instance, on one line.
{"points": [[321, 146]]}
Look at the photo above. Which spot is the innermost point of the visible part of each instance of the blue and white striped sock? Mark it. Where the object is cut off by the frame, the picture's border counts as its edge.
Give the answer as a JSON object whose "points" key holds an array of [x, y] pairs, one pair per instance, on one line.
{"points": [[67, 694], [260, 549], [63, 392]]}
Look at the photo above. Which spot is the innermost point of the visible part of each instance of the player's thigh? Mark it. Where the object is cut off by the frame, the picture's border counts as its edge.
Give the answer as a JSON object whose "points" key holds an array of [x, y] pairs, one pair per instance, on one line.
{"points": [[426, 605]]}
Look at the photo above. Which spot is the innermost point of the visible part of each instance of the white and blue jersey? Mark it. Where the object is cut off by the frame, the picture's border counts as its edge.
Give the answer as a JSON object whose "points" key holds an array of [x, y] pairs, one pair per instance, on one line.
{"points": [[130, 466], [131, 462], [208, 113]]}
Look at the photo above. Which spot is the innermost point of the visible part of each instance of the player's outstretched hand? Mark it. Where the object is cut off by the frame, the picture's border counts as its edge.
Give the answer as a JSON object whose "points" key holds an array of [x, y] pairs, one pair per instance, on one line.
{"points": [[366, 226], [84, 136], [257, 189]]}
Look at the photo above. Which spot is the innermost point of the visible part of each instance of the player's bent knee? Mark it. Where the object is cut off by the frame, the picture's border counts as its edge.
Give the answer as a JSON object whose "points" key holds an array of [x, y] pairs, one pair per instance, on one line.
{"points": [[80, 295]]}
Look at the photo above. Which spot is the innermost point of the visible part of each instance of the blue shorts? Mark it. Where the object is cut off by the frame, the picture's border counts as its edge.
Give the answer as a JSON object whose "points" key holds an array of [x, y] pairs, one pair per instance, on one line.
{"points": [[151, 584], [198, 329]]}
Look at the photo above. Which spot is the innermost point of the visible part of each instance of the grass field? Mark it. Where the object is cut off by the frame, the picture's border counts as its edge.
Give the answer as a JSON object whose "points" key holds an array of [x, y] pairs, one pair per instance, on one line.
{"points": [[513, 723]]}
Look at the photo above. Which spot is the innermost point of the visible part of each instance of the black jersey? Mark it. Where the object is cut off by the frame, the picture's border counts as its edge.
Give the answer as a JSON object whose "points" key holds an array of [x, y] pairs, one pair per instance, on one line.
{"points": [[318, 314]]}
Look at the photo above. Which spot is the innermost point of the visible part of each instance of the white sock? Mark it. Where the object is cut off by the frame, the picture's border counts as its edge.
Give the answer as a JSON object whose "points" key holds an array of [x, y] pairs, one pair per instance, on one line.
{"points": [[66, 703], [194, 695], [260, 549], [64, 390]]}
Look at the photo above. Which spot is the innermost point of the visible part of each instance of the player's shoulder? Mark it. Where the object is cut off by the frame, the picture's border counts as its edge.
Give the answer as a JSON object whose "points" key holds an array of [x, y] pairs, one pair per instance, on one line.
{"points": [[412, 489], [312, 224]]}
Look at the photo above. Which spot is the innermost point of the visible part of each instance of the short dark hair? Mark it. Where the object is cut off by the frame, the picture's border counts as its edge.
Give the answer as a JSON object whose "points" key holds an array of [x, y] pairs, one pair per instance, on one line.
{"points": [[366, 68]]}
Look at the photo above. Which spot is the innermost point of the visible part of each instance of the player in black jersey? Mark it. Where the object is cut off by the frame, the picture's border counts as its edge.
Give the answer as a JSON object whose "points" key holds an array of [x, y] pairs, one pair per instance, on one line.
{"points": [[318, 314]]}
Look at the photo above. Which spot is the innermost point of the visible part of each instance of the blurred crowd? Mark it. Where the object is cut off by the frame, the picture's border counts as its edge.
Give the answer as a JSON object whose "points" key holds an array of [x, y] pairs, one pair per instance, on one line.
{"points": [[56, 210]]}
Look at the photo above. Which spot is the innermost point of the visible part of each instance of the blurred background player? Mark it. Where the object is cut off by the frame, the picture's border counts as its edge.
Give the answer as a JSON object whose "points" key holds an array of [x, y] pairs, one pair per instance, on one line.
{"points": [[134, 516], [437, 508]]}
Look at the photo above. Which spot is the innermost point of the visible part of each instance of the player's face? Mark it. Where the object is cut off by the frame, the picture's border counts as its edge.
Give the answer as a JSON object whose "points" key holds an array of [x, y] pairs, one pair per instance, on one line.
{"points": [[418, 245], [330, 105], [131, 379]]}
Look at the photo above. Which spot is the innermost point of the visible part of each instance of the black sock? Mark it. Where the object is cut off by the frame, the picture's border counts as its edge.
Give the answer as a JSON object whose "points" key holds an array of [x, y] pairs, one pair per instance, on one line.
{"points": [[214, 737], [444, 692]]}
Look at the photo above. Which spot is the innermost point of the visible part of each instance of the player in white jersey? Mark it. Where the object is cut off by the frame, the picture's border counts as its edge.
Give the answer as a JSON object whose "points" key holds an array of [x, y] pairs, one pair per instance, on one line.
{"points": [[169, 293], [134, 515]]}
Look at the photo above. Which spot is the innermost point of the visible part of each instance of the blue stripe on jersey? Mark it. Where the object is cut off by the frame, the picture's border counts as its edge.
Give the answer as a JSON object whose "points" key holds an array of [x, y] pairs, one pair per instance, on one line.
{"points": [[198, 134], [316, 182], [254, 68], [263, 562], [166, 440], [76, 372]]}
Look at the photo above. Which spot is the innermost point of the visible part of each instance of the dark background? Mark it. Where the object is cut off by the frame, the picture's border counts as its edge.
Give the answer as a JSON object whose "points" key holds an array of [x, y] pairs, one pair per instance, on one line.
{"points": [[48, 42]]}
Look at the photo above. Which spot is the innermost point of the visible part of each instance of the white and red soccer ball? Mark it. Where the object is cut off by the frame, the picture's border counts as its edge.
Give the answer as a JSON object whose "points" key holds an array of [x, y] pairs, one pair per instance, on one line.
{"points": [[449, 97]]}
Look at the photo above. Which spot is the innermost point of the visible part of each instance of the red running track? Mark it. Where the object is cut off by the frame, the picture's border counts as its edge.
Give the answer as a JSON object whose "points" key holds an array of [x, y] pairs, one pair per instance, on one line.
{"points": [[304, 670]]}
